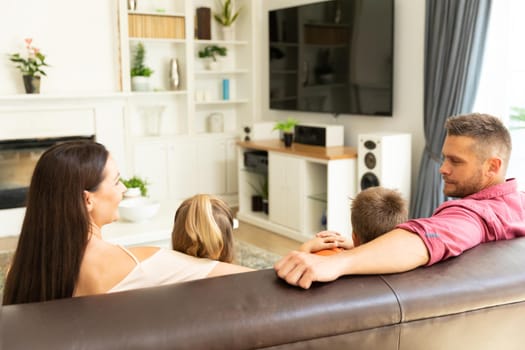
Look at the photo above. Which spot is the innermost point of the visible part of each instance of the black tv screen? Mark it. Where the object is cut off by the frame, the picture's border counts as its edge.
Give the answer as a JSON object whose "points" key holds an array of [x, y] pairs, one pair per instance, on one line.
{"points": [[333, 56]]}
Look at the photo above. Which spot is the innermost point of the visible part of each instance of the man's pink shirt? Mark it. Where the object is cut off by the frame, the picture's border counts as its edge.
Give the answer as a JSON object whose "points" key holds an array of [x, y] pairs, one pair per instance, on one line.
{"points": [[495, 213]]}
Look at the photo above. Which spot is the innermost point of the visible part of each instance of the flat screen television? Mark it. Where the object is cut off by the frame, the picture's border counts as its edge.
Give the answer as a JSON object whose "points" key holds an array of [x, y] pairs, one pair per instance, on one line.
{"points": [[333, 56]]}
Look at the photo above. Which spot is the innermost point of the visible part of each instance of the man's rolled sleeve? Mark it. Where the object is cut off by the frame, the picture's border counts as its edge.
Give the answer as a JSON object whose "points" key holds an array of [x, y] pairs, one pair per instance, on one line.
{"points": [[448, 233]]}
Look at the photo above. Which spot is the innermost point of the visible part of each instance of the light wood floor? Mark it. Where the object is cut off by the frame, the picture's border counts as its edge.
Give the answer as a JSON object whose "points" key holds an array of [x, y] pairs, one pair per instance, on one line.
{"points": [[8, 243], [265, 239]]}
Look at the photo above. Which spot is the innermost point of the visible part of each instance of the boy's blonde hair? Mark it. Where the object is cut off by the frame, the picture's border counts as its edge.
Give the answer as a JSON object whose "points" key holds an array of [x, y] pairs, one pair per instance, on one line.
{"points": [[203, 227]]}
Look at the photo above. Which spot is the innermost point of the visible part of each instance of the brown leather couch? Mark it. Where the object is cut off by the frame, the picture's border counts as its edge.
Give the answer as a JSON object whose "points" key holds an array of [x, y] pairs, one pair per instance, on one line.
{"points": [[475, 301]]}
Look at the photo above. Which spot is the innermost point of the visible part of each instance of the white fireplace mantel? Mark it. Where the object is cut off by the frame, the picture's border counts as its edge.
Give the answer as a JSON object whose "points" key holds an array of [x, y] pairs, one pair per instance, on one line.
{"points": [[29, 114], [41, 115]]}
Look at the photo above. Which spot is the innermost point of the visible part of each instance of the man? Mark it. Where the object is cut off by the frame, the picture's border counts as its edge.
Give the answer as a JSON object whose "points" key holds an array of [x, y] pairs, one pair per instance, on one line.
{"points": [[476, 153]]}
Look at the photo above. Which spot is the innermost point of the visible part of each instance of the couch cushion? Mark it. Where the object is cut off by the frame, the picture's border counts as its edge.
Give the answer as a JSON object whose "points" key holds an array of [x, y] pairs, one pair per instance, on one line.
{"points": [[490, 274]]}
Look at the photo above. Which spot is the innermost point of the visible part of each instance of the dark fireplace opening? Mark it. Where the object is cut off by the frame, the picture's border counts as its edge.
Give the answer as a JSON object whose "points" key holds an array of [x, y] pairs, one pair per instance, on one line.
{"points": [[17, 162]]}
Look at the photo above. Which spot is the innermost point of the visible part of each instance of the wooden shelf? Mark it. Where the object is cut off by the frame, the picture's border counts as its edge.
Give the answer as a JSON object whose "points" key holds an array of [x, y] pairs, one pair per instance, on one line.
{"points": [[318, 152]]}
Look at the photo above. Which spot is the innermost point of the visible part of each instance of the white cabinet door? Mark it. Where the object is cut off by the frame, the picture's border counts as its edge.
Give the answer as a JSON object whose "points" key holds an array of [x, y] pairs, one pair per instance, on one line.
{"points": [[150, 162], [185, 167], [184, 171], [231, 166], [211, 162], [286, 188]]}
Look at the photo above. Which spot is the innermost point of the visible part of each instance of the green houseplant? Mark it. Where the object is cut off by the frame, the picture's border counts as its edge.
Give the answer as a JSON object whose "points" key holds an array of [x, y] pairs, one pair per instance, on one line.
{"points": [[210, 52], [30, 66], [260, 198], [287, 128], [138, 183], [140, 73], [226, 17], [518, 118]]}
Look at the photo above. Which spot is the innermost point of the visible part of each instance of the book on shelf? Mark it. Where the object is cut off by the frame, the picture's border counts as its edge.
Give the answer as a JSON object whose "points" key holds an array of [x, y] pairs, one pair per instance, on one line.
{"points": [[156, 26]]}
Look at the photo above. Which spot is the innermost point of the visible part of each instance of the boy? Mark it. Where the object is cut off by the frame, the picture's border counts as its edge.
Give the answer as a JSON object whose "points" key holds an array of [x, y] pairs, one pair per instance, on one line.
{"points": [[375, 211]]}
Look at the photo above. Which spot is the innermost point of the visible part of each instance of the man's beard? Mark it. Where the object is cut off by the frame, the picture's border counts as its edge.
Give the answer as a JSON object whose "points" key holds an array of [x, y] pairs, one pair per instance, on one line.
{"points": [[464, 189]]}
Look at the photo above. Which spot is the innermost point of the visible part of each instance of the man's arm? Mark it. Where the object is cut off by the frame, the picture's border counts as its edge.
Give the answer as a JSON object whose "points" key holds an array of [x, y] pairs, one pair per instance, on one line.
{"points": [[396, 251]]}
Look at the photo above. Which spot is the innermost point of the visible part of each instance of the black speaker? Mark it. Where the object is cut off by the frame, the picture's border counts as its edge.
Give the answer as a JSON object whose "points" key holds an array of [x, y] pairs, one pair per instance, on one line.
{"points": [[310, 135], [319, 135]]}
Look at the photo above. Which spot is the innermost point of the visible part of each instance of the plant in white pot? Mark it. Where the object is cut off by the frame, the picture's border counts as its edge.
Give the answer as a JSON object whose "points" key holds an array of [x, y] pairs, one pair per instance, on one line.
{"points": [[210, 52], [136, 187], [140, 73], [136, 206], [226, 17], [260, 196]]}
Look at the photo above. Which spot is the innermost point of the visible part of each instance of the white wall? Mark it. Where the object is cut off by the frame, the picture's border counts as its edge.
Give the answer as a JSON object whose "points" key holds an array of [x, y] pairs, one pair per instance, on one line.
{"points": [[409, 29], [79, 39]]}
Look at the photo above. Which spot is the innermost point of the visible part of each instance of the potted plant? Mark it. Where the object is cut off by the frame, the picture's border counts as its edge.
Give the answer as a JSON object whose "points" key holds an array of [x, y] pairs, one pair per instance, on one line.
{"points": [[287, 128], [140, 73], [210, 52], [260, 198], [226, 17], [517, 118], [136, 186], [136, 206], [30, 66]]}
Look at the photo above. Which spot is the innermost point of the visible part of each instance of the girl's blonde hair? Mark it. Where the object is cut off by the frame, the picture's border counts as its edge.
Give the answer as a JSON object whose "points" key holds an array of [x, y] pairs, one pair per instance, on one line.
{"points": [[203, 228]]}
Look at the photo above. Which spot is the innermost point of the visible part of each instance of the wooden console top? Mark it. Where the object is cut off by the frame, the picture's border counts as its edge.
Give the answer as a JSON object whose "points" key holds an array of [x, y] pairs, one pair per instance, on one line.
{"points": [[298, 149]]}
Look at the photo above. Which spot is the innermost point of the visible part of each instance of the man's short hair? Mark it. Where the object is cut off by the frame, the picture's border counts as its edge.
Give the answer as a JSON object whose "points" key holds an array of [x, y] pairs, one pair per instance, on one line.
{"points": [[491, 136], [377, 210]]}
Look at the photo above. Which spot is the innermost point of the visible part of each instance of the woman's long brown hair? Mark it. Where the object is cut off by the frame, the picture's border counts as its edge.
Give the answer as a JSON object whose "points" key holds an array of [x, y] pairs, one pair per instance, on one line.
{"points": [[56, 225]]}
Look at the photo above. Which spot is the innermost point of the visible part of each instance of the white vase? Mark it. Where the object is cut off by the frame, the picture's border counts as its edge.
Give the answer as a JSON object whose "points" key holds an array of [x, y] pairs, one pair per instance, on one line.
{"points": [[132, 5], [215, 123], [132, 192], [140, 83], [212, 65], [152, 119], [174, 74], [228, 33]]}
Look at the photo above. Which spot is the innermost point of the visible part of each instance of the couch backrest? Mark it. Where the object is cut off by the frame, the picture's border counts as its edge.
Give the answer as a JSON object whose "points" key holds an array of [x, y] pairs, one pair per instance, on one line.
{"points": [[474, 301]]}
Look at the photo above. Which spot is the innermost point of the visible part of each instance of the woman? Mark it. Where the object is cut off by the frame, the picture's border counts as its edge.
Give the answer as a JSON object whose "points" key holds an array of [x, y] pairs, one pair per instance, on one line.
{"points": [[74, 191], [204, 228]]}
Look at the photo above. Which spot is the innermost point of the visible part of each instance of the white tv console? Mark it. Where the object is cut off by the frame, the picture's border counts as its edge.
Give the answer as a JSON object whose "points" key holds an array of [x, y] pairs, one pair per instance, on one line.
{"points": [[304, 183]]}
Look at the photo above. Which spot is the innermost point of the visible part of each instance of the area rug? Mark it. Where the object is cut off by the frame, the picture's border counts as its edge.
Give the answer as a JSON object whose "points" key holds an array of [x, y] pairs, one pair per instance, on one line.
{"points": [[5, 258], [248, 255]]}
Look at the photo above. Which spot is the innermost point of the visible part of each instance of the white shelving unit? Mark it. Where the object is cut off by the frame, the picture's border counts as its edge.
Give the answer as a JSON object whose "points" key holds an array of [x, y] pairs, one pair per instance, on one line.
{"points": [[309, 188], [184, 145]]}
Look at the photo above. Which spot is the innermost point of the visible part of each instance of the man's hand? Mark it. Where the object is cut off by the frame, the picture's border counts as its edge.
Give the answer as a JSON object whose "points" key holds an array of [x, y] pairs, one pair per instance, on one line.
{"points": [[301, 269], [396, 251]]}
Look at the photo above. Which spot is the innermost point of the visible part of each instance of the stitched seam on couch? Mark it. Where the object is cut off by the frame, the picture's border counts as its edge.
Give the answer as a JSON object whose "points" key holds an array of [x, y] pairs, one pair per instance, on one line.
{"points": [[401, 318]]}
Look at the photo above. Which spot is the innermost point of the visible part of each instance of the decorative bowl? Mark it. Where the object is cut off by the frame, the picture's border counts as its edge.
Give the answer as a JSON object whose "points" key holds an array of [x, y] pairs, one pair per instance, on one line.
{"points": [[138, 209]]}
